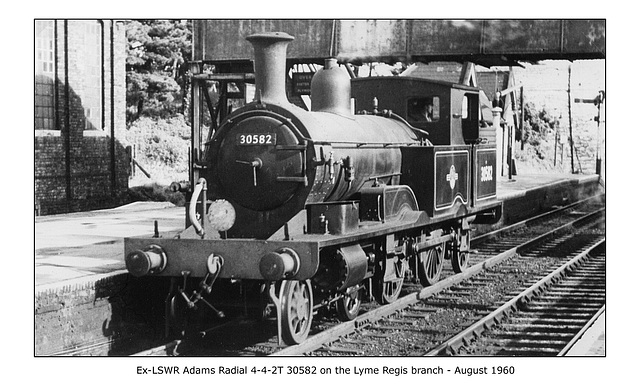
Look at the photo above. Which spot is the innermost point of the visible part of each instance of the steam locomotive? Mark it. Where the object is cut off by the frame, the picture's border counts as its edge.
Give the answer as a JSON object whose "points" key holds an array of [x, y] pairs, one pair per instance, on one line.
{"points": [[296, 210]]}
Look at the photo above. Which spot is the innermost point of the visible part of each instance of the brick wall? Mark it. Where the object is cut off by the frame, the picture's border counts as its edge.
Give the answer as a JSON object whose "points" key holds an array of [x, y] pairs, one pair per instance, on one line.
{"points": [[115, 315], [78, 169]]}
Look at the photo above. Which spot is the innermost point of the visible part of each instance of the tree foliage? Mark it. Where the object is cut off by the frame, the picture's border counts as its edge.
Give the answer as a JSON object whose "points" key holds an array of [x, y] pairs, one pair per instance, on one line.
{"points": [[158, 52]]}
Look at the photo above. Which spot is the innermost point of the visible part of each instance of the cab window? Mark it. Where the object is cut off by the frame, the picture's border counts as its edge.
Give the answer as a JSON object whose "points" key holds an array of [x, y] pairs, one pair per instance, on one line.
{"points": [[470, 117], [424, 109], [465, 107]]}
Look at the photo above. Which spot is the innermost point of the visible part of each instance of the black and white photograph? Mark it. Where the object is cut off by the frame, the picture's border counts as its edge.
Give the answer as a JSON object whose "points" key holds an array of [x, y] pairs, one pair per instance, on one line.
{"points": [[350, 200]]}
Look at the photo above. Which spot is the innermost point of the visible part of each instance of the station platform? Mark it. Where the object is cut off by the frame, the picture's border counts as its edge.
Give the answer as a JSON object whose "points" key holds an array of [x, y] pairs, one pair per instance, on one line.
{"points": [[592, 342], [522, 185], [78, 247], [76, 253]]}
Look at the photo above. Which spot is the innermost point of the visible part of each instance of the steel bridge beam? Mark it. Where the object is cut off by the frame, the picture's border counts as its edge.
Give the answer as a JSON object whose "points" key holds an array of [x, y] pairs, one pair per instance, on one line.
{"points": [[486, 42]]}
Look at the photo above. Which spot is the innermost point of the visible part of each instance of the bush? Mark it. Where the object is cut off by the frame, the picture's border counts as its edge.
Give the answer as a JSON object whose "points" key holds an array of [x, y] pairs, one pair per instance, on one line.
{"points": [[154, 192], [538, 125], [540, 152], [161, 147]]}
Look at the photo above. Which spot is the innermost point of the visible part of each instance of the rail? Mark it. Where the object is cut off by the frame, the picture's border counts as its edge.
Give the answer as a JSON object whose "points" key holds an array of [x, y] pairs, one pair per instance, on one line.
{"points": [[511, 306]]}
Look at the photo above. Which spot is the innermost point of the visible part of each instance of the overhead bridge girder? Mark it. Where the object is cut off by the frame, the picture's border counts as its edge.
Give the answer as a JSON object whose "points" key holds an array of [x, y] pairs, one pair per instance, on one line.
{"points": [[487, 42]]}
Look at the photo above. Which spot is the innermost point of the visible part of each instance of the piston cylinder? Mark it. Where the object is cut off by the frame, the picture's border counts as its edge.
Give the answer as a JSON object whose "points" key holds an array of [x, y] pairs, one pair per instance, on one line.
{"points": [[341, 269]]}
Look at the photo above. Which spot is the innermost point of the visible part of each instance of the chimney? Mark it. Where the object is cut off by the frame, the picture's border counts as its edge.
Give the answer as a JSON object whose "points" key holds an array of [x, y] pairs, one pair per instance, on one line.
{"points": [[270, 52]]}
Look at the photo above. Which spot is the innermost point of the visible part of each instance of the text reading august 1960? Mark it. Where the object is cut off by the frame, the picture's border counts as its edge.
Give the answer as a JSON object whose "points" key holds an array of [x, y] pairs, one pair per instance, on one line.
{"points": [[321, 370]]}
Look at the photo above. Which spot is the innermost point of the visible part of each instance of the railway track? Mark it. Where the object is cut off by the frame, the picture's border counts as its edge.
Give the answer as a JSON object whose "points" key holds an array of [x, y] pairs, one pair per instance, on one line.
{"points": [[506, 263], [546, 319]]}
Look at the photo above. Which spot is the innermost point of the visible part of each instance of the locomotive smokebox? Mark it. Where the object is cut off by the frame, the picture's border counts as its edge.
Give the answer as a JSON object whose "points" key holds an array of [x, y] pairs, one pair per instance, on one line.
{"points": [[270, 51], [331, 89]]}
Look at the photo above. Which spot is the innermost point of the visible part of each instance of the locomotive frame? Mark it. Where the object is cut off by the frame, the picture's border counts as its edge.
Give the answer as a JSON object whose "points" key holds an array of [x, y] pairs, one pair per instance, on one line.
{"points": [[351, 214]]}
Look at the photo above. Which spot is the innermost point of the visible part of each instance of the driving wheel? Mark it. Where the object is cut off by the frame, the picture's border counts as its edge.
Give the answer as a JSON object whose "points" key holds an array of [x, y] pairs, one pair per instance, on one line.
{"points": [[460, 252], [430, 264], [388, 281]]}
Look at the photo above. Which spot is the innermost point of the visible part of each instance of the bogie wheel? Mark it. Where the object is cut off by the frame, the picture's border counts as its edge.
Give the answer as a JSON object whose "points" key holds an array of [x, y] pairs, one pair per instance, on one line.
{"points": [[430, 265], [348, 306], [296, 298], [387, 291]]}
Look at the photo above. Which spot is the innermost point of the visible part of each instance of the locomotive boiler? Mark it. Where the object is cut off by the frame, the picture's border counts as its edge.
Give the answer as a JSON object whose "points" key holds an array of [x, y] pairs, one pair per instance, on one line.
{"points": [[311, 209]]}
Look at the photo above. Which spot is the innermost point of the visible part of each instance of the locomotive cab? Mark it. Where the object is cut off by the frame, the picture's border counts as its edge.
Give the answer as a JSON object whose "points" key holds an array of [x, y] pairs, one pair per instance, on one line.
{"points": [[458, 172], [449, 112]]}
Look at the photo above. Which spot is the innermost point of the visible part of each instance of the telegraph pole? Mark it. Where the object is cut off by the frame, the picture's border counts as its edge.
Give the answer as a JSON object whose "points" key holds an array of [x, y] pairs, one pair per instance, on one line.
{"points": [[570, 121]]}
